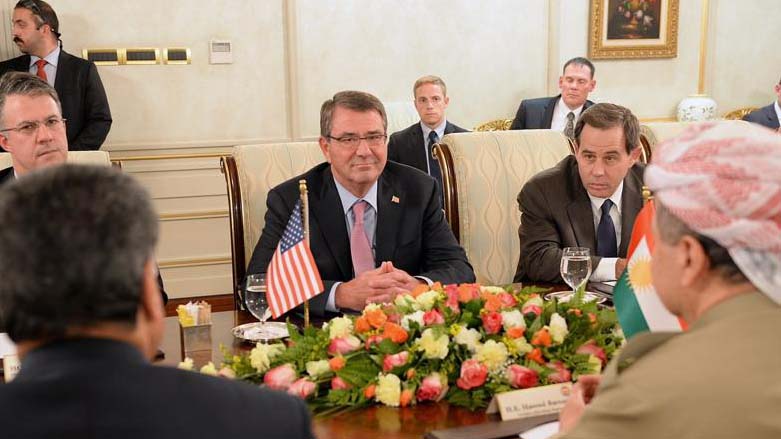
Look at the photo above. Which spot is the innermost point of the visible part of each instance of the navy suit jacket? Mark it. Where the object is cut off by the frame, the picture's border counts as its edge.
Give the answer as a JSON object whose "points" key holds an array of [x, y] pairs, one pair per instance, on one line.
{"points": [[407, 146], [765, 116], [537, 114], [101, 388], [83, 99], [411, 229]]}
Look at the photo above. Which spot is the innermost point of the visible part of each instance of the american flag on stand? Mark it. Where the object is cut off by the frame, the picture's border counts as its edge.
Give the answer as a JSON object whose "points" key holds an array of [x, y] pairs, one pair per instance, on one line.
{"points": [[292, 276]]}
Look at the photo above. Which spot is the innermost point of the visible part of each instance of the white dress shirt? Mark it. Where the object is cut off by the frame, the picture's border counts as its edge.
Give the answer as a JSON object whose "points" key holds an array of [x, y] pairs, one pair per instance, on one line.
{"points": [[606, 269], [559, 121], [51, 65], [778, 110]]}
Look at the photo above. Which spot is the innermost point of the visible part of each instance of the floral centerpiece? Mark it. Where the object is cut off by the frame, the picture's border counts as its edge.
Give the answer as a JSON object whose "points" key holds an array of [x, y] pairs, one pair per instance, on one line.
{"points": [[459, 343]]}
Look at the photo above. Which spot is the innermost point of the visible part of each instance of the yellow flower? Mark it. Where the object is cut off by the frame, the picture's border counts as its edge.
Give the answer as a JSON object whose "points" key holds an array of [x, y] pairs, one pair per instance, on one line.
{"points": [[187, 364], [426, 300], [492, 289], [209, 369], [340, 327], [388, 390], [433, 346], [595, 365], [317, 368], [558, 328], [454, 329], [404, 300], [261, 355], [517, 346], [469, 338], [492, 354]]}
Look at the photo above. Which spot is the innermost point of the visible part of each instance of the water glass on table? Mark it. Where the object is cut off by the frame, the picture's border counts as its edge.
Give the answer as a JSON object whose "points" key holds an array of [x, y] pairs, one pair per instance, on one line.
{"points": [[575, 270], [255, 297]]}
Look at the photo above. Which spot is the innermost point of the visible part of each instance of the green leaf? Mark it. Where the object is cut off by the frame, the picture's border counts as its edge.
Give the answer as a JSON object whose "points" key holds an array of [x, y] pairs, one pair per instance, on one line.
{"points": [[359, 370]]}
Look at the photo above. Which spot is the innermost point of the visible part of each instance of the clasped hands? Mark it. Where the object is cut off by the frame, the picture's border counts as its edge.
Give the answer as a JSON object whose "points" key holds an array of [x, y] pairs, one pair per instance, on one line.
{"points": [[380, 285], [582, 393]]}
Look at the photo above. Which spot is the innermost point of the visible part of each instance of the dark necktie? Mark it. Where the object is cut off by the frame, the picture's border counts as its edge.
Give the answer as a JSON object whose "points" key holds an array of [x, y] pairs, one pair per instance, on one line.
{"points": [[434, 169], [606, 233], [569, 130]]}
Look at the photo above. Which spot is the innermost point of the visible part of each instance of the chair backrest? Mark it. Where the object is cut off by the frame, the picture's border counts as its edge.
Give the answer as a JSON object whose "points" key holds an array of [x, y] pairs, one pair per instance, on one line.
{"points": [[652, 133], [483, 173], [82, 157], [495, 125], [251, 171]]}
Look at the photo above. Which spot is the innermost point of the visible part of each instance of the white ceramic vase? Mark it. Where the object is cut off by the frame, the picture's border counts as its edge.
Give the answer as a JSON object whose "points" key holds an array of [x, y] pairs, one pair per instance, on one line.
{"points": [[696, 108]]}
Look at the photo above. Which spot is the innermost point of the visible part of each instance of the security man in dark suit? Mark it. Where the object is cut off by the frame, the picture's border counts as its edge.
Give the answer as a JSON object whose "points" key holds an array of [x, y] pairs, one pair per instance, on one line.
{"points": [[560, 113], [769, 115], [84, 104]]}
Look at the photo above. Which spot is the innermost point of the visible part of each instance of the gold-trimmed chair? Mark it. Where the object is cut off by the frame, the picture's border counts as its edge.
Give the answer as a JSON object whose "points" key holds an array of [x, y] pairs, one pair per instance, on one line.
{"points": [[482, 174], [495, 125], [739, 113], [251, 171]]}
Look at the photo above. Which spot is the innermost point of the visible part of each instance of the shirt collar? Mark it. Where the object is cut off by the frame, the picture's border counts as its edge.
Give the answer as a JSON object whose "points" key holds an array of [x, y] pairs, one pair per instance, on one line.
{"points": [[563, 109], [51, 58], [440, 129], [348, 199], [615, 198], [778, 110]]}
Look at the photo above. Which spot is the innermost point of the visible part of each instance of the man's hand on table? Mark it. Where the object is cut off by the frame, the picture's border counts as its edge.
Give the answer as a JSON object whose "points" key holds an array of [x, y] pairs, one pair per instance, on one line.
{"points": [[582, 393], [620, 267], [380, 285]]}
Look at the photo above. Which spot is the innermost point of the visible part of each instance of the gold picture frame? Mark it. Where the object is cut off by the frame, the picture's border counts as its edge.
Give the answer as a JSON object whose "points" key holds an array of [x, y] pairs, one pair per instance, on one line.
{"points": [[632, 29]]}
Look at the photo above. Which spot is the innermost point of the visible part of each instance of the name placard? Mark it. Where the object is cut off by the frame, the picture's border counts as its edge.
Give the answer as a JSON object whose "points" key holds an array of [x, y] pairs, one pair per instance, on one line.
{"points": [[11, 367], [531, 402]]}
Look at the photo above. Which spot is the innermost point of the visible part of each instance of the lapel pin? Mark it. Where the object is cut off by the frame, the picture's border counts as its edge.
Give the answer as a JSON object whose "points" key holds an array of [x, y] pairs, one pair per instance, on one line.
{"points": [[395, 199]]}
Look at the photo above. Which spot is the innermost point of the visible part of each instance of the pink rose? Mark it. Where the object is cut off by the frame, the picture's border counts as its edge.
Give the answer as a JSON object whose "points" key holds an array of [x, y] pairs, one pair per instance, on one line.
{"points": [[531, 308], [302, 388], [432, 388], [590, 348], [344, 345], [394, 360], [372, 340], [473, 374], [452, 297], [561, 374], [521, 377], [339, 384], [492, 322], [507, 299], [280, 377], [433, 317]]}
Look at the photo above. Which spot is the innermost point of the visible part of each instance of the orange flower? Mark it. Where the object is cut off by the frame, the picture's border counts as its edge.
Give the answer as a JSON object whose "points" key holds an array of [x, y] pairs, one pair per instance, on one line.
{"points": [[592, 317], [575, 311], [405, 398], [436, 286], [492, 302], [362, 325], [542, 338], [410, 373], [369, 391], [376, 318], [396, 333], [337, 363], [419, 289], [516, 332], [467, 292], [536, 356]]}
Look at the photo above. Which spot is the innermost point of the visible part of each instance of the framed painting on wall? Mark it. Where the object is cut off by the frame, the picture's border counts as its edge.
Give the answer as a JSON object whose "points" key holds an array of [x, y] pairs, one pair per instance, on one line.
{"points": [[633, 29]]}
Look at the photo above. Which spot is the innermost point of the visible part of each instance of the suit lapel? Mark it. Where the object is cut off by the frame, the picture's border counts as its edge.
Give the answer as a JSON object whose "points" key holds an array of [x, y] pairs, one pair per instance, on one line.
{"points": [[772, 116], [418, 152], [548, 116], [63, 66], [579, 210], [390, 205], [327, 211], [631, 203]]}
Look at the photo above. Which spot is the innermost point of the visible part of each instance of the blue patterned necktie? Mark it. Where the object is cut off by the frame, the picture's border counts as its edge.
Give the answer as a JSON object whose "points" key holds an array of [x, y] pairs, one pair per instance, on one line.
{"points": [[606, 233]]}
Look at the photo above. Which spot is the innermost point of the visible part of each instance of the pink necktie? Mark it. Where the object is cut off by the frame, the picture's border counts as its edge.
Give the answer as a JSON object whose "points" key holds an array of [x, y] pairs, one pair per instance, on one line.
{"points": [[361, 250], [41, 63]]}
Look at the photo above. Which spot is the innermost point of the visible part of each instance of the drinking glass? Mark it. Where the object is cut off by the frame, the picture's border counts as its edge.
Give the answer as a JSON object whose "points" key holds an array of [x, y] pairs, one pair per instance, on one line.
{"points": [[255, 297], [575, 270]]}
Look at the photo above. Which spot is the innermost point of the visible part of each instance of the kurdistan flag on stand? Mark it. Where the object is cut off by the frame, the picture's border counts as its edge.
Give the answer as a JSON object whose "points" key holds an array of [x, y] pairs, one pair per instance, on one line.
{"points": [[638, 306]]}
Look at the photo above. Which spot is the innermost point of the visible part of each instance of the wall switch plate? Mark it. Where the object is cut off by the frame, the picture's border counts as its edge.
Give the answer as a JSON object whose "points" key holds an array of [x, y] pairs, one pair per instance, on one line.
{"points": [[220, 52]]}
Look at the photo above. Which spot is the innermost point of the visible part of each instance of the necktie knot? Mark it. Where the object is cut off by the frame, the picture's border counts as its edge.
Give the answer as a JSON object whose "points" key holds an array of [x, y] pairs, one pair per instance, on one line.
{"points": [[358, 209], [606, 206], [432, 138], [571, 116]]}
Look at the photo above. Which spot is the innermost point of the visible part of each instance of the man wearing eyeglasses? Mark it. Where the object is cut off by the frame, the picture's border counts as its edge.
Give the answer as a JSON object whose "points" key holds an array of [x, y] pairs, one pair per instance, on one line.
{"points": [[376, 227], [84, 102]]}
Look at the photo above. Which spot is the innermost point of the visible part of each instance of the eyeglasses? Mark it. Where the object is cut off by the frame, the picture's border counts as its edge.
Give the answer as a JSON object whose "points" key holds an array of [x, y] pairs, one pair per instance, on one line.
{"points": [[352, 142], [31, 127]]}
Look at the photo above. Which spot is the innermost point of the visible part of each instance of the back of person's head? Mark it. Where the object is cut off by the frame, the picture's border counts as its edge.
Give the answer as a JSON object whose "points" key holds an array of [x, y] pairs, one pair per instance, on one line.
{"points": [[43, 14], [604, 116], [74, 245], [580, 61], [24, 84], [351, 100], [429, 79]]}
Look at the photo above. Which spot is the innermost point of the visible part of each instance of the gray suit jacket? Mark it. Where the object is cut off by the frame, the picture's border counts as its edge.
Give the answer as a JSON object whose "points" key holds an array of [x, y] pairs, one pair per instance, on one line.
{"points": [[765, 116], [537, 114], [556, 213]]}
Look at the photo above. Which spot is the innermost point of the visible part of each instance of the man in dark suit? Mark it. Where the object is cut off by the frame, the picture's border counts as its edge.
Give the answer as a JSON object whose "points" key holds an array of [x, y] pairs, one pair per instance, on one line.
{"points": [[589, 200], [412, 145], [84, 103], [80, 301], [768, 116], [32, 129], [560, 113], [376, 227]]}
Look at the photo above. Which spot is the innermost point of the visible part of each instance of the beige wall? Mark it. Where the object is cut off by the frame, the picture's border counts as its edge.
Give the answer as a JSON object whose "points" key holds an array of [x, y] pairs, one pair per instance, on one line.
{"points": [[290, 55]]}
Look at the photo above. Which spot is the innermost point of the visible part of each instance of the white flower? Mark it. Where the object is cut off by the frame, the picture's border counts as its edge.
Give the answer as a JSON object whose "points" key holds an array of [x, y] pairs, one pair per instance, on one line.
{"points": [[261, 355], [492, 354], [317, 368], [388, 390], [371, 307], [512, 319], [209, 369], [469, 338], [404, 300], [558, 328], [492, 290], [426, 300], [187, 364], [433, 346], [340, 327], [416, 316]]}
